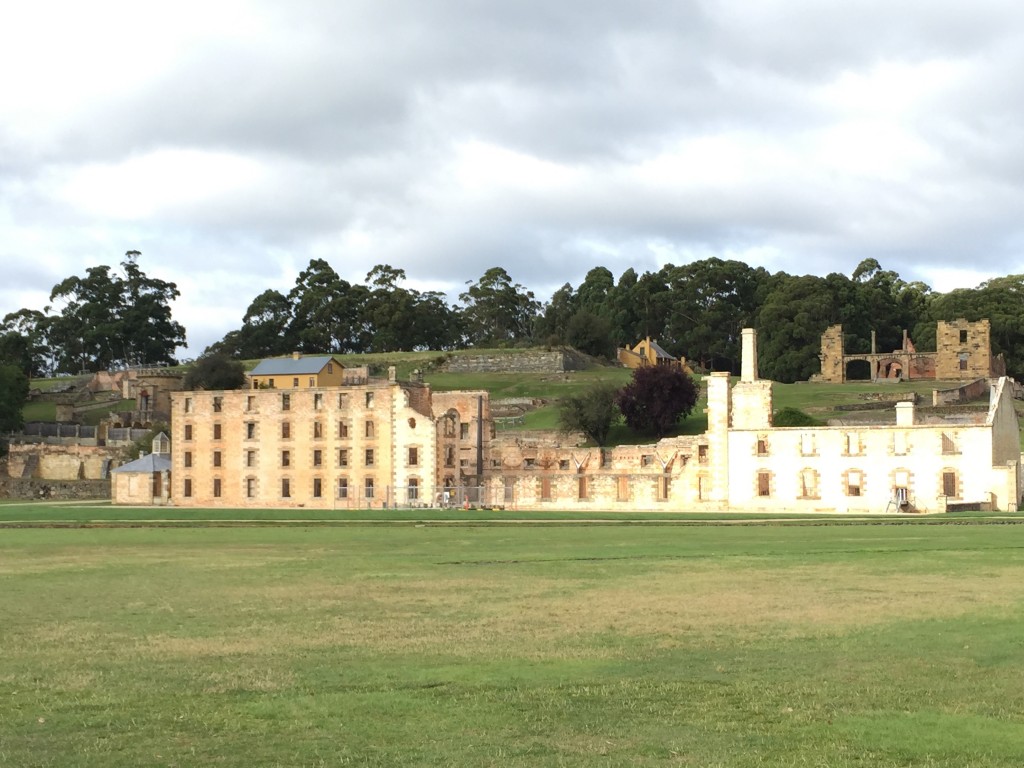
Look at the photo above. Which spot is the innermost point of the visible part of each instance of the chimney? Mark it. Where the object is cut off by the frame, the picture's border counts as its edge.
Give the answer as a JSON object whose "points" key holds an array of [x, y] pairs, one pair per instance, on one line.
{"points": [[392, 374], [748, 365], [905, 414], [296, 355]]}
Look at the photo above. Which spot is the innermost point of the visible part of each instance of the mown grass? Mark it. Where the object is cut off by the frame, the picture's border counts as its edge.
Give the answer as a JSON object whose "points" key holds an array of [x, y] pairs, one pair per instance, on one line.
{"points": [[527, 646]]}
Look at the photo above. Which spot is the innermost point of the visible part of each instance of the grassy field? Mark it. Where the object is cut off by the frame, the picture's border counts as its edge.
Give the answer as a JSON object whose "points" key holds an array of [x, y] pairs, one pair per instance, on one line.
{"points": [[529, 645]]}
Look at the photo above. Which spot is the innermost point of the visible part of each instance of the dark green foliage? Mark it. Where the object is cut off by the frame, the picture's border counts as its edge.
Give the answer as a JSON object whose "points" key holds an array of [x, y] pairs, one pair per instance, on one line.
{"points": [[794, 417], [498, 312], [590, 334], [13, 394], [215, 371], [656, 398], [591, 412]]}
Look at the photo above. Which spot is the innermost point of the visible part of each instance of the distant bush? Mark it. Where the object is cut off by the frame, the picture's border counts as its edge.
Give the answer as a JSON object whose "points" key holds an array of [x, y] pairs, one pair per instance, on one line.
{"points": [[794, 417]]}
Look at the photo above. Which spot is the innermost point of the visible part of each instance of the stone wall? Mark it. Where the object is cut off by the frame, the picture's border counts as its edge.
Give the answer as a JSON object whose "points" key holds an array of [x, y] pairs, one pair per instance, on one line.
{"points": [[972, 391], [532, 361], [69, 490]]}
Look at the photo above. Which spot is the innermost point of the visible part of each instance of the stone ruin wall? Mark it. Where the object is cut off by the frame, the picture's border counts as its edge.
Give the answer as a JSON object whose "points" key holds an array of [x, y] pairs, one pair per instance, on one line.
{"points": [[534, 361]]}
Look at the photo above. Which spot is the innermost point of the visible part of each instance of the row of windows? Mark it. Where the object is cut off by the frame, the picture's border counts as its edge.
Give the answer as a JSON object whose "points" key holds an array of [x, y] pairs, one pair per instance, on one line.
{"points": [[853, 446], [286, 399], [854, 483], [343, 488], [369, 457]]}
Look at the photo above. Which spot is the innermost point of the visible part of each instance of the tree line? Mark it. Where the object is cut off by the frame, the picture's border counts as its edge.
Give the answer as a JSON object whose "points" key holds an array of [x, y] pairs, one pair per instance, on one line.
{"points": [[115, 317]]}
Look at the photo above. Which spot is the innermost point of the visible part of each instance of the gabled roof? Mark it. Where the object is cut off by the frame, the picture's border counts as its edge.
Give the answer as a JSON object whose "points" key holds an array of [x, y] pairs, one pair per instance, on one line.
{"points": [[290, 366], [152, 462], [660, 352]]}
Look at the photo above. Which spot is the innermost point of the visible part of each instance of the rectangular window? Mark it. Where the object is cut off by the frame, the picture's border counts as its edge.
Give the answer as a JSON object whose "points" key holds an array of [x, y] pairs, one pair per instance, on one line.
{"points": [[963, 337], [369, 429], [664, 486], [250, 487], [764, 484], [250, 430], [464, 431], [949, 484], [545, 489], [702, 454], [317, 488], [286, 488], [963, 362], [582, 492], [188, 405], [286, 458], [318, 458], [703, 487], [854, 482], [622, 489], [216, 488], [286, 402], [286, 429], [250, 402], [342, 487], [295, 382], [216, 458], [900, 444], [188, 431], [330, 367], [343, 400], [188, 488], [949, 444], [369, 399], [318, 430], [270, 383], [218, 403], [250, 458], [188, 458], [318, 401], [762, 447], [808, 484], [369, 488], [414, 489], [342, 429], [414, 457], [852, 444], [807, 447], [369, 457], [312, 381], [216, 431], [343, 457]]}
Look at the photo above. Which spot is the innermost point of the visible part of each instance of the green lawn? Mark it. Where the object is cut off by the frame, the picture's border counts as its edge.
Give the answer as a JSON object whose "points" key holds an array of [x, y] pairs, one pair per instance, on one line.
{"points": [[529, 645]]}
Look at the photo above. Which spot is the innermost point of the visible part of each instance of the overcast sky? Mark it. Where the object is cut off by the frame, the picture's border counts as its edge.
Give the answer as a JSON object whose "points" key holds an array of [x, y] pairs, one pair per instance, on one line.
{"points": [[232, 142]]}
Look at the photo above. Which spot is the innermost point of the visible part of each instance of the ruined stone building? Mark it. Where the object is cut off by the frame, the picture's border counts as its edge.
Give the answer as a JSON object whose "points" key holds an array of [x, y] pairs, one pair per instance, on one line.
{"points": [[963, 352]]}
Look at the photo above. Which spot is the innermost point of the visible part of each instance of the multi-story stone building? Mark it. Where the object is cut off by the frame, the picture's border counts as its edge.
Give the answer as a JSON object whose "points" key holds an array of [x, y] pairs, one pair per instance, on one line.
{"points": [[374, 443]]}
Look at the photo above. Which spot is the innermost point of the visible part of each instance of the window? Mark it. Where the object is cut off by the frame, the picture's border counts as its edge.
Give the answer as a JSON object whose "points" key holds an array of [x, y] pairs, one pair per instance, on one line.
{"points": [[318, 430], [318, 489], [318, 400], [286, 488], [545, 489], [216, 458], [342, 429], [255, 383], [949, 444], [646, 459], [216, 487], [270, 383], [449, 458], [582, 491], [188, 405], [318, 458], [216, 431], [250, 430], [900, 444], [807, 447], [312, 381], [330, 367], [369, 488], [250, 458], [762, 446], [764, 484], [342, 487], [218, 403], [414, 489], [295, 382], [949, 483], [852, 444], [703, 487], [250, 487], [286, 429], [286, 458], [664, 487], [702, 454], [808, 483], [463, 431], [343, 457], [188, 431], [369, 399], [622, 489], [286, 402], [343, 400], [963, 361], [854, 483], [250, 402], [188, 458], [369, 457], [188, 487], [369, 429], [449, 425], [414, 457], [963, 337], [563, 463]]}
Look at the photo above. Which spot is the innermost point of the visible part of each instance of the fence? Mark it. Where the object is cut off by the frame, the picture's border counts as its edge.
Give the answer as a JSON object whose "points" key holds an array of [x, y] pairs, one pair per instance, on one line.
{"points": [[411, 497]]}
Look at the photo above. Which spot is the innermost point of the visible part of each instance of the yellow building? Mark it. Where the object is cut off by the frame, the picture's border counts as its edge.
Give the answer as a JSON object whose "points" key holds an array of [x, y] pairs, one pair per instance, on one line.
{"points": [[300, 372], [371, 444], [648, 352]]}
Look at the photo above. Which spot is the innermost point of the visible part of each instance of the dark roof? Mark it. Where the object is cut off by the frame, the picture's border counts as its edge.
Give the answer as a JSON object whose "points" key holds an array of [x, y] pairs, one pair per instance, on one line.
{"points": [[289, 366], [660, 352], [152, 462]]}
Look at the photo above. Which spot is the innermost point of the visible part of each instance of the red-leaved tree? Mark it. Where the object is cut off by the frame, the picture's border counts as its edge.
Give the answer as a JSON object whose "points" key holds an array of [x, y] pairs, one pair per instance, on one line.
{"points": [[657, 398]]}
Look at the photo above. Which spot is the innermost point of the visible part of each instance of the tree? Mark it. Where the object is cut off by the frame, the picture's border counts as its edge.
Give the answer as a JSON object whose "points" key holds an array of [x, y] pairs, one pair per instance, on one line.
{"points": [[498, 311], [591, 412], [656, 398], [215, 370], [13, 394], [590, 334]]}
